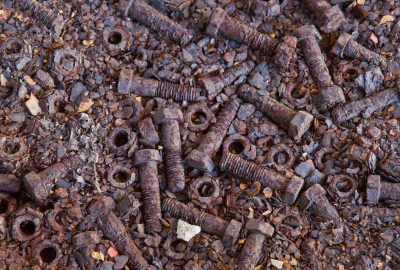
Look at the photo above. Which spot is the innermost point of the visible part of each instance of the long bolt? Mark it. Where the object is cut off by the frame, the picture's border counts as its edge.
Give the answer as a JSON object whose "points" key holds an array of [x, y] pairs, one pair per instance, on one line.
{"points": [[155, 20], [113, 229], [147, 160], [345, 46], [129, 82], [221, 25], [268, 177], [296, 123], [378, 190], [214, 85], [38, 12], [201, 158], [328, 18], [329, 94], [169, 117], [366, 106]]}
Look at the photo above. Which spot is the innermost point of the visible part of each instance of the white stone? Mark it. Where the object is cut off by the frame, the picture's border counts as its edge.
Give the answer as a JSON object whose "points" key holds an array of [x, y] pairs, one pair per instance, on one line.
{"points": [[277, 264], [186, 231]]}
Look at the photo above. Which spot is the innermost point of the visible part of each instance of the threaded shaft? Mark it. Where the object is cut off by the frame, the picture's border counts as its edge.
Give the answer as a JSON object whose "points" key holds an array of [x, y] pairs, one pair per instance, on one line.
{"points": [[174, 169], [126, 244], [225, 117], [177, 92], [258, 40], [37, 11], [357, 51], [251, 251]]}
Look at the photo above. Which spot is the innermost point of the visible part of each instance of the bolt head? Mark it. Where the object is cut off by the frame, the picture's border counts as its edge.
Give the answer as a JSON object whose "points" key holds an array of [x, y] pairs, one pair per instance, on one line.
{"points": [[36, 187], [101, 207], [300, 124], [340, 44], [258, 226], [232, 232], [217, 18], [168, 113], [208, 85], [307, 31], [145, 156], [293, 189], [310, 196], [200, 161], [328, 97], [373, 189], [331, 20]]}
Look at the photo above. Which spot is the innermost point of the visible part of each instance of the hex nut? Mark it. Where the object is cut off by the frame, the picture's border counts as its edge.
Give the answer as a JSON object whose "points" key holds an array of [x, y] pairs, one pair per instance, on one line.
{"points": [[46, 253], [132, 109], [342, 187], [120, 176], [26, 224], [67, 64], [273, 157], [121, 139], [236, 144], [204, 191], [199, 117], [171, 251], [258, 226], [13, 148], [117, 40]]}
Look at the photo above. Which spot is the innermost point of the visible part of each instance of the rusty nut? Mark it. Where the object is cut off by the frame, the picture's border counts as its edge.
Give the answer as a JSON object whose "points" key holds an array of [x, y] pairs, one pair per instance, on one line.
{"points": [[121, 139], [121, 176], [46, 254], [342, 187], [26, 224], [204, 191], [296, 95], [132, 110], [175, 248], [16, 52], [67, 64], [117, 40], [237, 144], [13, 149], [199, 117], [56, 102], [281, 157]]}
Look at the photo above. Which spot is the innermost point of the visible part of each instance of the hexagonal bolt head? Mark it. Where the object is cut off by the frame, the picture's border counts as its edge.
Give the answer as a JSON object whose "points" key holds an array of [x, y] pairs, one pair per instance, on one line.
{"points": [[341, 44], [199, 160], [168, 113], [300, 124], [232, 232], [373, 189], [216, 20], [293, 189], [328, 97], [146, 155], [258, 226], [307, 31], [310, 196], [101, 207]]}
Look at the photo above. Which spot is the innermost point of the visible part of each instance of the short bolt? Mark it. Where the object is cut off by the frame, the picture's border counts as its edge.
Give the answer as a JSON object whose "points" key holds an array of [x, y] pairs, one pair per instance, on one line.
{"points": [[214, 85], [155, 20], [39, 185], [329, 94], [378, 190], [130, 83], [170, 117], [221, 25], [252, 249], [229, 231], [328, 18], [147, 161], [315, 201], [346, 46], [268, 177], [113, 229], [9, 183], [201, 158], [296, 123]]}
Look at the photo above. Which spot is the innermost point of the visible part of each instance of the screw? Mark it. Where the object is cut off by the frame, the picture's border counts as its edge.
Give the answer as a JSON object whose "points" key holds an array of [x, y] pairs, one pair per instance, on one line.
{"points": [[296, 123], [37, 11], [328, 18], [113, 229], [229, 231], [147, 160], [214, 85], [315, 201], [366, 106], [155, 20], [345, 46], [9, 183], [329, 94], [39, 185], [201, 158], [170, 117], [378, 190], [284, 52], [221, 25], [252, 172], [252, 249], [129, 82]]}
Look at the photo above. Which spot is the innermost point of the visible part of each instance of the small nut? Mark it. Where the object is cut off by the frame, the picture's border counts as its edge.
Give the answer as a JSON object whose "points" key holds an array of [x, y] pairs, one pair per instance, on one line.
{"points": [[281, 156], [342, 187], [26, 224], [46, 253], [13, 149], [67, 64], [121, 140], [117, 40], [204, 191], [120, 176], [296, 95], [175, 248], [236, 144]]}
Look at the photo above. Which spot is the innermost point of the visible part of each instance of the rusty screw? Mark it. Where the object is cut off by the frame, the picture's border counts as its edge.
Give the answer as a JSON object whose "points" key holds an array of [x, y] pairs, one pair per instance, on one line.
{"points": [[315, 201], [129, 82], [214, 85], [345, 46], [155, 20], [229, 231], [147, 160], [9, 183], [378, 190], [252, 172], [221, 25], [113, 229], [329, 94], [296, 123], [170, 117], [201, 158], [252, 249], [328, 18]]}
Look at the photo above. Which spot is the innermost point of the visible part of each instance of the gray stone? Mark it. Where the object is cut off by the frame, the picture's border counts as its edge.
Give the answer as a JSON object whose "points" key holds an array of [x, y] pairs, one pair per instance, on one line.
{"points": [[245, 111], [18, 117], [371, 80], [120, 262], [107, 266], [305, 168], [76, 91], [257, 80], [316, 177]]}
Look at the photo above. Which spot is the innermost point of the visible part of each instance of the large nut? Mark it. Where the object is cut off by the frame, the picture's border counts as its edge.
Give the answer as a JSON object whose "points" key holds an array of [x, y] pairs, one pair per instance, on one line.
{"points": [[26, 224], [175, 248], [342, 187], [67, 64], [120, 176], [117, 40], [199, 117], [281, 156], [204, 191], [121, 140], [258, 226], [46, 254], [13, 149], [236, 144]]}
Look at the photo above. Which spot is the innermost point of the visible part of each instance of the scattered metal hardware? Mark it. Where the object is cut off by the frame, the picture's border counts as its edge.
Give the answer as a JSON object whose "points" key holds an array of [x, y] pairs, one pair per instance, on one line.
{"points": [[378, 190], [236, 144], [342, 187], [199, 117], [328, 18], [205, 192]]}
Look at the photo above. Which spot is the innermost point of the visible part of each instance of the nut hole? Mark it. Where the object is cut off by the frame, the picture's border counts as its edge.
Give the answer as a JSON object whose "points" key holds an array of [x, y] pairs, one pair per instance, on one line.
{"points": [[198, 118], [27, 227], [344, 185], [48, 254], [351, 74], [13, 48], [115, 38], [3, 206], [178, 246], [298, 93], [121, 138], [68, 62], [236, 147], [281, 158], [121, 177], [291, 221], [206, 189], [11, 147]]}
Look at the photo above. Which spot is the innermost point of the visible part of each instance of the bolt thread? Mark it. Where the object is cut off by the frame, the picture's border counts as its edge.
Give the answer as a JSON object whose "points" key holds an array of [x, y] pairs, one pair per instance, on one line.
{"points": [[225, 117], [174, 169], [230, 75], [180, 210], [177, 92], [125, 243], [357, 51], [38, 12], [258, 40], [151, 210], [251, 251]]}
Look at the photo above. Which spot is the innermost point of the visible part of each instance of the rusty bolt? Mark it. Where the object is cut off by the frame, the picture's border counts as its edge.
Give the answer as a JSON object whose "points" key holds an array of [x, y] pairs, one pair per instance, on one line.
{"points": [[236, 144], [113, 229], [13, 148], [315, 201], [269, 178], [120, 176], [169, 117], [199, 117], [366, 106], [204, 191], [342, 187], [67, 64], [117, 40], [129, 82], [26, 224], [39, 185], [175, 248], [149, 136], [147, 161], [252, 249], [214, 85], [281, 156], [221, 25], [391, 168], [16, 53], [121, 139], [9, 183], [345, 46], [284, 52], [328, 18], [46, 254], [329, 94], [8, 204], [201, 158], [155, 20], [84, 243], [296, 123], [229, 231], [378, 190]]}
